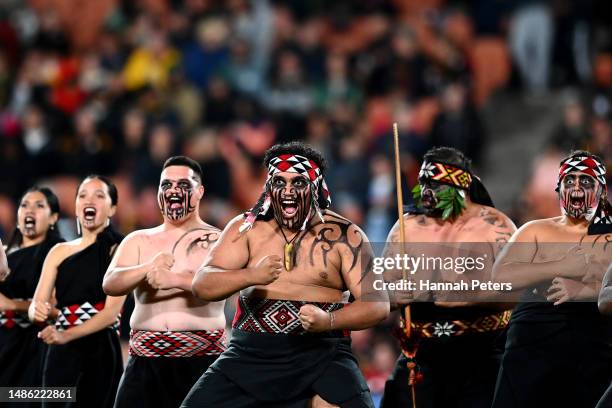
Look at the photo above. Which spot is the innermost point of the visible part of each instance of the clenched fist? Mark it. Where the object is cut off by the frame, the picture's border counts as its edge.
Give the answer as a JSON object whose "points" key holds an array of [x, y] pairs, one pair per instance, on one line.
{"points": [[38, 311], [51, 335], [267, 270], [314, 319], [159, 275]]}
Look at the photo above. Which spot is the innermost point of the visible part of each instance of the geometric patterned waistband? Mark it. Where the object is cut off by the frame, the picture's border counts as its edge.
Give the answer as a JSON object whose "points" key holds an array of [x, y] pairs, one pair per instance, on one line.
{"points": [[10, 319], [144, 343], [483, 324], [258, 315], [75, 315]]}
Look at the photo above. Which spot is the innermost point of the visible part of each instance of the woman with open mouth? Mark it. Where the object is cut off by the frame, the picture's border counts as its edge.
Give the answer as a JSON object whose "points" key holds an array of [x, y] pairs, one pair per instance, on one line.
{"points": [[21, 353], [84, 349]]}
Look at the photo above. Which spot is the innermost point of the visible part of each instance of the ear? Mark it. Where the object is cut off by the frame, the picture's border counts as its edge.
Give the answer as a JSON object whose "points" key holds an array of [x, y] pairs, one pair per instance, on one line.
{"points": [[112, 212], [201, 191], [54, 218]]}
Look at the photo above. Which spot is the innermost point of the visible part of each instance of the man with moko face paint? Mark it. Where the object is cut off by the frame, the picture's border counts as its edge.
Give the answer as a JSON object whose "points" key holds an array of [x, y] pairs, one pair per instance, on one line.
{"points": [[174, 336], [292, 259], [559, 347], [450, 353]]}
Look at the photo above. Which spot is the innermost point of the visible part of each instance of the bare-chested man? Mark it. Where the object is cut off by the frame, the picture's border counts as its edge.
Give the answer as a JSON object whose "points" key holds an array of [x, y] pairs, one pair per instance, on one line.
{"points": [[293, 259], [559, 348], [449, 348], [175, 336]]}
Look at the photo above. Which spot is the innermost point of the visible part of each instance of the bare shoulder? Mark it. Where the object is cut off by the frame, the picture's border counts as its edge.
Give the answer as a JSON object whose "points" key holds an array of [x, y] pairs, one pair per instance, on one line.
{"points": [[236, 222], [137, 235], [210, 228], [347, 226], [494, 217], [530, 231], [63, 250]]}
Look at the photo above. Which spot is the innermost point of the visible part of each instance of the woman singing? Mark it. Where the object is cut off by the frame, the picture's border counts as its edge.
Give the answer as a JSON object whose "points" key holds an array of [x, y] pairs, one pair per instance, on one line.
{"points": [[84, 349], [21, 352]]}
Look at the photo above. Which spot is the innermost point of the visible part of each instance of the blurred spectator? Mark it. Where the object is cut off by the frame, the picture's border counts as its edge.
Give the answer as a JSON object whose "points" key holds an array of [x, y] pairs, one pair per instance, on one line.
{"points": [[531, 39], [338, 86], [571, 133], [150, 64], [93, 151], [219, 103], [162, 143], [458, 124], [205, 55], [289, 89]]}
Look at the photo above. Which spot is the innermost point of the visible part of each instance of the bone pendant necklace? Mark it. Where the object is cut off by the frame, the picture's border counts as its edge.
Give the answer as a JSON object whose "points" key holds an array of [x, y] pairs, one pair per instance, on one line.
{"points": [[289, 258]]}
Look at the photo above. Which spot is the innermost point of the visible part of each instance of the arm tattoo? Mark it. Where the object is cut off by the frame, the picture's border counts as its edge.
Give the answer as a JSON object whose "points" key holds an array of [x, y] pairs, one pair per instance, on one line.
{"points": [[199, 238], [500, 225]]}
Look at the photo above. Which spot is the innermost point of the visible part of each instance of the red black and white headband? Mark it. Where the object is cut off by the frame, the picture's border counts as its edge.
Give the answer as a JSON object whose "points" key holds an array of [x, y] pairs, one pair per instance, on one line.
{"points": [[446, 174], [585, 164], [290, 163]]}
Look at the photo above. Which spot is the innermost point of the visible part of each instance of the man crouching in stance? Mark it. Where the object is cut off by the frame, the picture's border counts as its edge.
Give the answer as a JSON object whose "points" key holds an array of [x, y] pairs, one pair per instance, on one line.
{"points": [[292, 258]]}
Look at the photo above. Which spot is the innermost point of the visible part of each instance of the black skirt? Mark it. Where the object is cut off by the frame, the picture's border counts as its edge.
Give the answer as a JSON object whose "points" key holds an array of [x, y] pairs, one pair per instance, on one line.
{"points": [[93, 364], [557, 363], [279, 370], [22, 355], [458, 372], [152, 382]]}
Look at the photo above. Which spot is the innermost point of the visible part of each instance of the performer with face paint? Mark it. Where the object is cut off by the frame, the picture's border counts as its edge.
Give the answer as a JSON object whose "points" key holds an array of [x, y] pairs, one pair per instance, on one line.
{"points": [[449, 349], [174, 336], [84, 350], [292, 259], [557, 339], [21, 352]]}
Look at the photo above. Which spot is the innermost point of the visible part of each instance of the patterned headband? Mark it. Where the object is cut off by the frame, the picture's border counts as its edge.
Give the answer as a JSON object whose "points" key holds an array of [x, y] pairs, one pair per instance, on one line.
{"points": [[585, 164], [446, 174], [294, 163], [290, 163]]}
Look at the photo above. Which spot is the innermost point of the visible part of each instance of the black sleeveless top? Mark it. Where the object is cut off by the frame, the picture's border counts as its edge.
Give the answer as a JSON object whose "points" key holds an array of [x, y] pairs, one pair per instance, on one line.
{"points": [[26, 266], [79, 277]]}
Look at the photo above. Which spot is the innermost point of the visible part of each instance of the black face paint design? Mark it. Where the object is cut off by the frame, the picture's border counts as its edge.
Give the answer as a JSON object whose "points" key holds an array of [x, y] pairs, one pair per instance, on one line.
{"points": [[291, 200], [578, 195], [429, 190], [175, 199]]}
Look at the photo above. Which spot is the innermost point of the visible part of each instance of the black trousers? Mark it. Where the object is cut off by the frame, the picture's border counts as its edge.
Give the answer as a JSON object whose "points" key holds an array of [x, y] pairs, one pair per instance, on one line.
{"points": [[159, 382], [93, 364], [458, 372]]}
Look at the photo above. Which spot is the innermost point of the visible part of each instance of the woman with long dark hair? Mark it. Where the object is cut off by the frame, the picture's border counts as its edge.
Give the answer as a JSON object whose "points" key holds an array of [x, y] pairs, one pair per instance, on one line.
{"points": [[21, 353], [84, 349]]}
